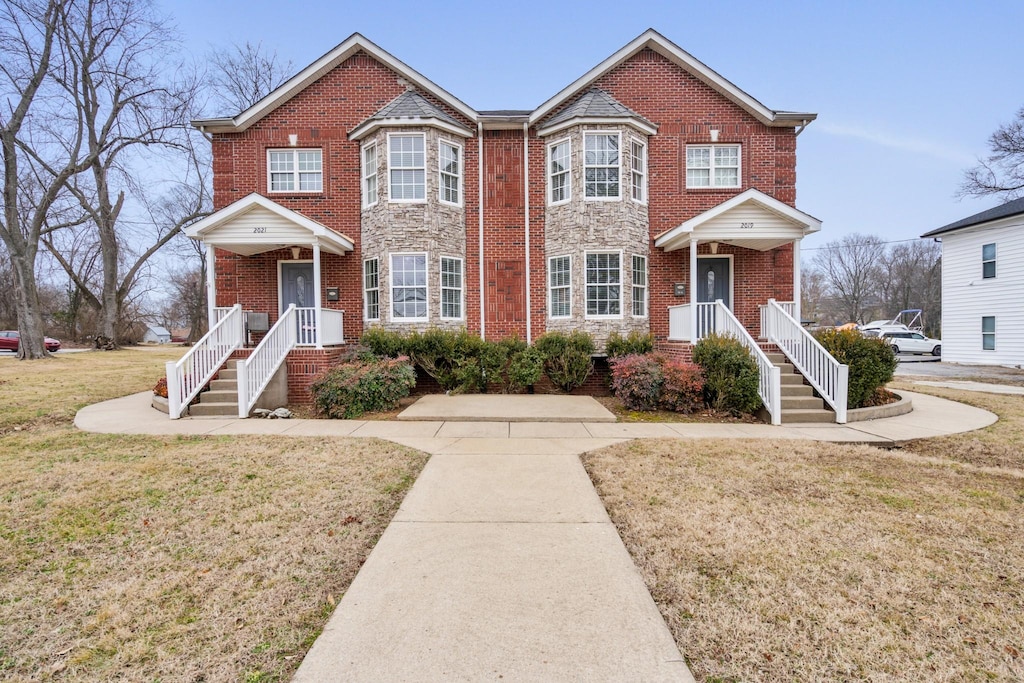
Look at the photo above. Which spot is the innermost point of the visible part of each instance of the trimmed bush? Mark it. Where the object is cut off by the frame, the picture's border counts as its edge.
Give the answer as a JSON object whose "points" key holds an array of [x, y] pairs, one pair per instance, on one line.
{"points": [[683, 387], [384, 343], [567, 358], [730, 374], [525, 368], [482, 364], [870, 359], [637, 380], [634, 343], [449, 356], [350, 389]]}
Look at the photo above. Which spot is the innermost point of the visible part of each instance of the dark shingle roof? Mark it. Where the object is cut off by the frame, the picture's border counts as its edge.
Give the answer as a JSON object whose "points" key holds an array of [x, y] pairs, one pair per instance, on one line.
{"points": [[412, 105], [1002, 211], [595, 103], [505, 112]]}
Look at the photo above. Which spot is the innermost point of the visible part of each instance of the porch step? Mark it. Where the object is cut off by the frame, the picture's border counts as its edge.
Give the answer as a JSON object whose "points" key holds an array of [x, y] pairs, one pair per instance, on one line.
{"points": [[796, 389], [799, 404], [222, 398], [202, 409], [802, 403], [224, 385], [807, 415]]}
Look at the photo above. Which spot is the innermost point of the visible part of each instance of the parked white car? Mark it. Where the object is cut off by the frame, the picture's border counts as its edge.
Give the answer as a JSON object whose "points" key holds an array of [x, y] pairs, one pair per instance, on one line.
{"points": [[912, 342]]}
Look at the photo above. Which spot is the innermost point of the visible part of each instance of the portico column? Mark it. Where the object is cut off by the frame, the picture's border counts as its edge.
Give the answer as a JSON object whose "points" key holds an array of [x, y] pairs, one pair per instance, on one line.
{"points": [[693, 289], [796, 280], [317, 298], [211, 287]]}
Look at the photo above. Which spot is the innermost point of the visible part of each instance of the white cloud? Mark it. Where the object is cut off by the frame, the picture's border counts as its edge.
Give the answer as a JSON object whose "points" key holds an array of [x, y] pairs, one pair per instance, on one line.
{"points": [[937, 150]]}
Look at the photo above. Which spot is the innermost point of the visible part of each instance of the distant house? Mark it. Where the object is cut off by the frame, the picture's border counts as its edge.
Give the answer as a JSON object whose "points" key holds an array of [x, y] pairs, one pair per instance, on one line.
{"points": [[155, 334], [179, 335], [982, 279]]}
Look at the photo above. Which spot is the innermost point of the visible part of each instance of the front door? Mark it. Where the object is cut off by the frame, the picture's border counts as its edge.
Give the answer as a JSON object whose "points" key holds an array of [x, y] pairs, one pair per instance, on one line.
{"points": [[713, 283], [297, 288]]}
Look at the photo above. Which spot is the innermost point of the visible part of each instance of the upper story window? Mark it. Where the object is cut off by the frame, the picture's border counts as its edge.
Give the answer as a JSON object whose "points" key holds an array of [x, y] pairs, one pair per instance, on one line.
{"points": [[408, 287], [369, 174], [295, 170], [988, 261], [560, 286], [407, 168], [559, 155], [601, 165], [450, 159], [638, 157], [604, 284], [713, 166]]}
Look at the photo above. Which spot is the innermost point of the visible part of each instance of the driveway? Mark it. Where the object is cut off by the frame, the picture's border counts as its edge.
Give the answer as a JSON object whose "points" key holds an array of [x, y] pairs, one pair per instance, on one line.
{"points": [[963, 372]]}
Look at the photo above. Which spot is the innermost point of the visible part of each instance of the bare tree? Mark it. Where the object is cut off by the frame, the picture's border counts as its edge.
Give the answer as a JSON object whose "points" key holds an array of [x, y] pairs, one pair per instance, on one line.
{"points": [[852, 268], [911, 279], [813, 295], [1001, 173], [246, 74]]}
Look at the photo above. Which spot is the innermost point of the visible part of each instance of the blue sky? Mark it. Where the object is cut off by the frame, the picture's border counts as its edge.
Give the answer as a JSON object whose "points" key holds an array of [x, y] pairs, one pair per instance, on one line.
{"points": [[906, 93]]}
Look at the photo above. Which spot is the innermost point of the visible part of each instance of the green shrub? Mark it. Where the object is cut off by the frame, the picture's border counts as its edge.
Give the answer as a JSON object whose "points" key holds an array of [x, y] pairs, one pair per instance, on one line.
{"points": [[730, 374], [637, 380], [634, 343], [384, 343], [567, 358], [683, 386], [481, 364], [870, 359], [352, 388], [446, 355], [525, 368]]}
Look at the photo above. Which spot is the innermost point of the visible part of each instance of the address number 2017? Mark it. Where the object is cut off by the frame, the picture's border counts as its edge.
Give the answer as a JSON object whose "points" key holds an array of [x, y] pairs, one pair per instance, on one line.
{"points": [[746, 226], [259, 230]]}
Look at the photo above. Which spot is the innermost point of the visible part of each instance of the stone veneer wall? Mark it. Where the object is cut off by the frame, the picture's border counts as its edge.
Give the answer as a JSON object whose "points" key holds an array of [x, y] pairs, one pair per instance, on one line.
{"points": [[581, 225], [431, 226]]}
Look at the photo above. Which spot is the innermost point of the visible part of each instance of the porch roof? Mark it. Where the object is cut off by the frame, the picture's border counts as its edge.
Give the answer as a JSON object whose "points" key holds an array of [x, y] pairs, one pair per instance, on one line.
{"points": [[751, 219], [255, 224]]}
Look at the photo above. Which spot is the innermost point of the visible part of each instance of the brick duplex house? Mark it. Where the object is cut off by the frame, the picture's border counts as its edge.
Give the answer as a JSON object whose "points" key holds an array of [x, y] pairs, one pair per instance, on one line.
{"points": [[364, 194]]}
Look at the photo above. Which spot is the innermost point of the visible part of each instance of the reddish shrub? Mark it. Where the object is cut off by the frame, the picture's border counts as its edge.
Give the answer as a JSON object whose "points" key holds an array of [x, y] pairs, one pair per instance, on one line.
{"points": [[683, 387], [637, 380], [161, 387]]}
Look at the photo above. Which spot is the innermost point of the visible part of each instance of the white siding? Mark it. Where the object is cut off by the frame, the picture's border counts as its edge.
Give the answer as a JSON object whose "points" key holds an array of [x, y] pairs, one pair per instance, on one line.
{"points": [[967, 297], [261, 226], [762, 224]]}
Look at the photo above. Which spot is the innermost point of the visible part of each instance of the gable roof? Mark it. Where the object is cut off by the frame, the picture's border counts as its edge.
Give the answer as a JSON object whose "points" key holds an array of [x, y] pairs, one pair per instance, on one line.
{"points": [[665, 47], [595, 105], [409, 108], [350, 46], [1006, 210]]}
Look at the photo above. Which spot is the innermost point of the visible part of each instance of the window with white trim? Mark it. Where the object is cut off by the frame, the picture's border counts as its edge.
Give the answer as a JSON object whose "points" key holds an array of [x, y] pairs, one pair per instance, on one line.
{"points": [[369, 174], [371, 289], [988, 333], [408, 287], [604, 284], [451, 288], [407, 167], [713, 166], [601, 165], [638, 156], [295, 170], [559, 158], [560, 286], [450, 169], [988, 261], [639, 286]]}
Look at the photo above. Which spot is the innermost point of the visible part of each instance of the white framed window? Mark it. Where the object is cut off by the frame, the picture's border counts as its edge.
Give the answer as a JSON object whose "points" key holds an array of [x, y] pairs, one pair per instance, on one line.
{"points": [[295, 170], [638, 157], [450, 169], [409, 287], [713, 166], [559, 161], [604, 284], [369, 174], [451, 288], [407, 167], [988, 261], [988, 333], [639, 286], [560, 286], [601, 165], [371, 289]]}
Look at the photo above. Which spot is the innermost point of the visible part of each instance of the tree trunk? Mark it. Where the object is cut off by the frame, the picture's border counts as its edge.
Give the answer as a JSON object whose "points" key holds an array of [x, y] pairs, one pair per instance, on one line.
{"points": [[26, 298]]}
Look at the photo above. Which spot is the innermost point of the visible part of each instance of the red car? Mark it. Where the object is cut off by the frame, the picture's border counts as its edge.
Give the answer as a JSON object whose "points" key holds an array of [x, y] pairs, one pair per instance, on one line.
{"points": [[9, 342]]}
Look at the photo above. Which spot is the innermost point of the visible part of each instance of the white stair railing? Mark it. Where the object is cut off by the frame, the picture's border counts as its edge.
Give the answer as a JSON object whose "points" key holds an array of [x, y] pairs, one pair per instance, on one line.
{"points": [[256, 371], [716, 317], [187, 376], [829, 377], [787, 306]]}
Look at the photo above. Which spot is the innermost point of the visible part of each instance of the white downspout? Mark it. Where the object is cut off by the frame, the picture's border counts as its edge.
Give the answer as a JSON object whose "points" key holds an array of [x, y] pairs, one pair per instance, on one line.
{"points": [[211, 287], [526, 198], [480, 220], [693, 290], [317, 297], [796, 283]]}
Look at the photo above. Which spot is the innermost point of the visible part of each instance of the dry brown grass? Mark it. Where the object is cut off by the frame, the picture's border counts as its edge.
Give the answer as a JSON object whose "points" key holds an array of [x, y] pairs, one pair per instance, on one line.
{"points": [[793, 561], [172, 558]]}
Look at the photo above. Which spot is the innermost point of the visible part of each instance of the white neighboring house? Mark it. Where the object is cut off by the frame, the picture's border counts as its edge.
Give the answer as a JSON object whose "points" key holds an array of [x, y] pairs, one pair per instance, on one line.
{"points": [[156, 334], [982, 287]]}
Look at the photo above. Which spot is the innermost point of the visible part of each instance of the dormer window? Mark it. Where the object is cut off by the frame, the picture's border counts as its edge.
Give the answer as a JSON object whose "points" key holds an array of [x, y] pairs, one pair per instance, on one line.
{"points": [[601, 165], [407, 168], [713, 166], [295, 170]]}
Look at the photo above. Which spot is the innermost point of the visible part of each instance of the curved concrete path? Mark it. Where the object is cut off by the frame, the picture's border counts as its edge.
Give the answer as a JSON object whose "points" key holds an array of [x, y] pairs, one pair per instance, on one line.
{"points": [[501, 562]]}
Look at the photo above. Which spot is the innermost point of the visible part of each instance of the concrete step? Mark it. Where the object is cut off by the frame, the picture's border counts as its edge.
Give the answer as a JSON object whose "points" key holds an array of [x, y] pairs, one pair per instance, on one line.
{"points": [[791, 379], [219, 396], [797, 390], [802, 403], [228, 373], [777, 357], [821, 416], [785, 368], [224, 384], [213, 409]]}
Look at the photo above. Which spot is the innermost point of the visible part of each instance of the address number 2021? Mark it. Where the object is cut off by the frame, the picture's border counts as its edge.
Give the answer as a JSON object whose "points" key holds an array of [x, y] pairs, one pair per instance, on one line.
{"points": [[259, 230]]}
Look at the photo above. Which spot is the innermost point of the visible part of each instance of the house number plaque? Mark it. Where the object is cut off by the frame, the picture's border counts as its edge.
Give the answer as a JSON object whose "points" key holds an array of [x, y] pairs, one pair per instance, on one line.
{"points": [[746, 226], [259, 231]]}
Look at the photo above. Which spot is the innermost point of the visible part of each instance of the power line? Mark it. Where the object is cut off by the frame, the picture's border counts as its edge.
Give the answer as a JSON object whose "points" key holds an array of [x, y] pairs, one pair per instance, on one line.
{"points": [[862, 244]]}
